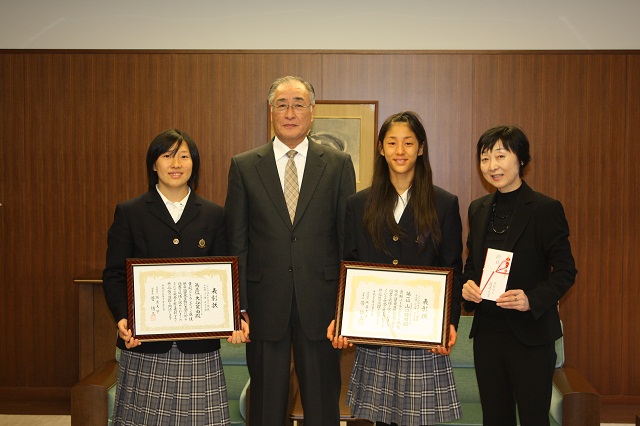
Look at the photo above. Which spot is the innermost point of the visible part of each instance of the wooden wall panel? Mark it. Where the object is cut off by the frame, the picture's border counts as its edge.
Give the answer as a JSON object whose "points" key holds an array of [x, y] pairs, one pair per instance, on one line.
{"points": [[626, 153], [77, 126], [12, 157], [584, 98], [50, 108]]}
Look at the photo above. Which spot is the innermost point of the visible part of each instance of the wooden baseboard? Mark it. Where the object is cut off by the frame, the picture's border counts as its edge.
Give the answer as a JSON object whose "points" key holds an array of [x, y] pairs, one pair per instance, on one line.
{"points": [[620, 399], [619, 408], [35, 400]]}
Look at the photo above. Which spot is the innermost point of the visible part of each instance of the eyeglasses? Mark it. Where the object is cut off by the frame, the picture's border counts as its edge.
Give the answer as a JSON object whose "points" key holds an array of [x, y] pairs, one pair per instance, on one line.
{"points": [[284, 107]]}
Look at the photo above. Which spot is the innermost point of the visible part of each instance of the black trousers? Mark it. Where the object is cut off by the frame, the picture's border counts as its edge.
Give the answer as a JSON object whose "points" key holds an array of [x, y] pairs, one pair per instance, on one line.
{"points": [[511, 373], [317, 366]]}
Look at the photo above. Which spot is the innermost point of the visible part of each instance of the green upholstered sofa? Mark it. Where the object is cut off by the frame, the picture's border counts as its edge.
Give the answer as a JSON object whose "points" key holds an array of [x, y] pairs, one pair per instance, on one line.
{"points": [[92, 397]]}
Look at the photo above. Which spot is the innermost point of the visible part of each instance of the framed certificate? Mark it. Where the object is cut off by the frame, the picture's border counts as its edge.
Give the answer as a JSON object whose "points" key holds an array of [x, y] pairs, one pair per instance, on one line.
{"points": [[183, 298], [389, 305]]}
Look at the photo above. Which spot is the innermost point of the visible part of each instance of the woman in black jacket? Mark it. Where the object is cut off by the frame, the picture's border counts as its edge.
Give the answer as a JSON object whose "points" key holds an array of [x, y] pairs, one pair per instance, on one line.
{"points": [[514, 335]]}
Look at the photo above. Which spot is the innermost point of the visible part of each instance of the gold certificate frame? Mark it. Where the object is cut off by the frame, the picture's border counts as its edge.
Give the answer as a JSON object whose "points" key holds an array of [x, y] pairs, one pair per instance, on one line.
{"points": [[406, 306], [349, 126], [183, 298]]}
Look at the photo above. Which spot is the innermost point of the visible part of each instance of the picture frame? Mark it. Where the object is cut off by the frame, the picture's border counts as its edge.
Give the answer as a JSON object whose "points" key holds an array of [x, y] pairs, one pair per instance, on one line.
{"points": [[389, 305], [350, 126], [183, 298]]}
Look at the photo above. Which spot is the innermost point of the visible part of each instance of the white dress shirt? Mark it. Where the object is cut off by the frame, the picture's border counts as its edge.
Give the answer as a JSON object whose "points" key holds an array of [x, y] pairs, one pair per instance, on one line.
{"points": [[175, 208], [280, 151]]}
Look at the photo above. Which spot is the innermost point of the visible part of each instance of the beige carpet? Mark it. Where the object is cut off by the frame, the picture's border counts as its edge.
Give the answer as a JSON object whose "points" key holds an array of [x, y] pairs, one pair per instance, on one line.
{"points": [[26, 420]]}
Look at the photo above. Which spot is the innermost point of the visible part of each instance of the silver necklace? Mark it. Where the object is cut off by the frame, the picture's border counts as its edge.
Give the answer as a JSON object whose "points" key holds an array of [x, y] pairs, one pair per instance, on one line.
{"points": [[493, 218]]}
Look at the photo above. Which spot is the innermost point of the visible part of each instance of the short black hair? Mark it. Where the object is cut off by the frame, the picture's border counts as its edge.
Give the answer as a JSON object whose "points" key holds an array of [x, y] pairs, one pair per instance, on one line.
{"points": [[164, 142], [513, 140]]}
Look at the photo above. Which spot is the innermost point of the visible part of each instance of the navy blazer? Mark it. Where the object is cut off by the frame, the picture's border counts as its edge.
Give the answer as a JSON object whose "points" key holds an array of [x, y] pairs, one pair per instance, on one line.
{"points": [[358, 244], [278, 259], [542, 265], [143, 228]]}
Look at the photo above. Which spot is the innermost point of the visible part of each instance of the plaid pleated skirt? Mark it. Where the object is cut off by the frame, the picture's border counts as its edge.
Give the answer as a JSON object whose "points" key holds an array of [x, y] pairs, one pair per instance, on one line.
{"points": [[409, 387], [171, 388]]}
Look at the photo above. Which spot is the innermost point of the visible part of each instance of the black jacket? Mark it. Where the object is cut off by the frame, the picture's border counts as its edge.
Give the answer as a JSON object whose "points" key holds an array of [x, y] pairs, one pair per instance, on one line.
{"points": [[358, 245], [542, 265], [143, 228]]}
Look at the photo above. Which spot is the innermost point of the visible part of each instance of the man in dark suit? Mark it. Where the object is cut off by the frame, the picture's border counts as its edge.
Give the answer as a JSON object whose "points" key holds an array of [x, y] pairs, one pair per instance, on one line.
{"points": [[289, 257]]}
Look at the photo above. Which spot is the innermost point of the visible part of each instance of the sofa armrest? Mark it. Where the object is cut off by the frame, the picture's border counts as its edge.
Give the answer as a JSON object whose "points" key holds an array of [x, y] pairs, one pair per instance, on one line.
{"points": [[580, 401], [89, 400]]}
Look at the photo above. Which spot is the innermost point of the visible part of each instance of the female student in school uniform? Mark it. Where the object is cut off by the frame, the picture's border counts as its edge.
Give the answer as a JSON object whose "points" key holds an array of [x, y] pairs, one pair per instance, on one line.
{"points": [[404, 219], [180, 382]]}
